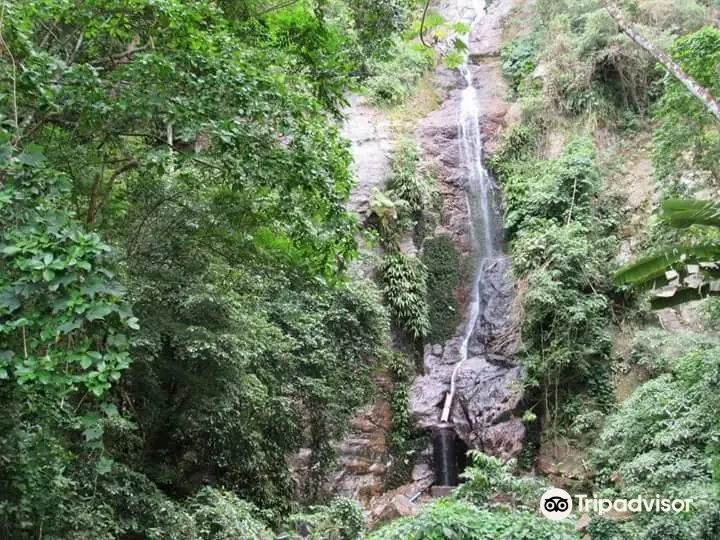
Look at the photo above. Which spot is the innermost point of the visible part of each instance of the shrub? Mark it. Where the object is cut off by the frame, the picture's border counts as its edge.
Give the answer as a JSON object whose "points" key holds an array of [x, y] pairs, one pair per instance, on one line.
{"points": [[408, 181], [220, 515], [462, 520], [392, 81], [488, 476], [342, 519], [519, 58], [663, 439]]}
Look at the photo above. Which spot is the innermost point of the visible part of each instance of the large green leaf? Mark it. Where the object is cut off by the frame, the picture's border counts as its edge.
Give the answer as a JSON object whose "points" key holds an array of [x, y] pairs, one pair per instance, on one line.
{"points": [[650, 270], [683, 213]]}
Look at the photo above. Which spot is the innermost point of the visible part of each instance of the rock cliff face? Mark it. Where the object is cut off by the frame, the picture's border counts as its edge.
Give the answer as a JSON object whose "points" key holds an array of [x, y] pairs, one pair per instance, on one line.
{"points": [[488, 391], [369, 133], [488, 387]]}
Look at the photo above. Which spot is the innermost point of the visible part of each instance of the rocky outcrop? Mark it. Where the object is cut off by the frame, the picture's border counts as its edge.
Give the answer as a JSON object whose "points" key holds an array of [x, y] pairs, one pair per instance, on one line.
{"points": [[362, 454], [489, 390], [488, 393], [400, 502], [369, 133]]}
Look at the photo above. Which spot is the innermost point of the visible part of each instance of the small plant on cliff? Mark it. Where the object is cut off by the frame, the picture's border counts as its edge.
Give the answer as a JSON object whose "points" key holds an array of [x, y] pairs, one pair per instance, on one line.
{"points": [[519, 58], [409, 181], [389, 217], [393, 81]]}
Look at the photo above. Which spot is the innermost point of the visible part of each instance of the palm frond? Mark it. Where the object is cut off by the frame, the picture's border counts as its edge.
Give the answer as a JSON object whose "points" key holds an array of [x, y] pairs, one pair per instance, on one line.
{"points": [[683, 213], [651, 269]]}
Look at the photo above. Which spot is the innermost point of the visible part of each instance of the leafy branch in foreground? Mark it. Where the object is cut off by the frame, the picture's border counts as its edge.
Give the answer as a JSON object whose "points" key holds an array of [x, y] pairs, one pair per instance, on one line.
{"points": [[682, 272]]}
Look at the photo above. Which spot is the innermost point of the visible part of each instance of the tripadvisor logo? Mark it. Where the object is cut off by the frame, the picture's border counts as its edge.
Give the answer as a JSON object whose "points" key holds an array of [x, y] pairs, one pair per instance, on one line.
{"points": [[557, 504]]}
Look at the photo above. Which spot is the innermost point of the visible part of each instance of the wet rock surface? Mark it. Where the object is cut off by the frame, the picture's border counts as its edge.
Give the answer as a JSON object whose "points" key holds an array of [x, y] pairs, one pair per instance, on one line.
{"points": [[489, 390]]}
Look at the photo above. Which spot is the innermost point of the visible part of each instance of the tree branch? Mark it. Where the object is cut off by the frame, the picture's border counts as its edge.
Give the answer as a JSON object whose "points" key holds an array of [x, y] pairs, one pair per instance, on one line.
{"points": [[629, 29], [97, 203], [422, 24]]}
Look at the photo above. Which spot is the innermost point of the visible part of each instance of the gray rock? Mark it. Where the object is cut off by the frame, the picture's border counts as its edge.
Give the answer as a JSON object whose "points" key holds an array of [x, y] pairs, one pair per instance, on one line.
{"points": [[372, 143], [489, 388]]}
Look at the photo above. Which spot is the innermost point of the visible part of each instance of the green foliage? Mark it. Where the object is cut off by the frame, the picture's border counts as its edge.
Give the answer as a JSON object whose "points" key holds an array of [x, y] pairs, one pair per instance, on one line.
{"points": [[560, 191], [487, 476], [411, 197], [342, 519], [444, 266], [404, 285], [461, 520], [563, 248], [404, 439], [390, 217], [589, 68], [682, 272], [63, 318], [454, 59], [409, 181], [663, 438], [185, 159], [519, 58], [688, 135], [220, 515], [393, 81], [492, 503], [378, 21]]}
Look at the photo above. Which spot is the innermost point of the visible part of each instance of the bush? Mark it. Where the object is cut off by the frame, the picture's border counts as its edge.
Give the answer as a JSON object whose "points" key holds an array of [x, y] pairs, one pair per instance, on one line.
{"points": [[392, 82], [409, 181], [220, 515], [462, 520], [342, 519], [519, 58], [663, 439]]}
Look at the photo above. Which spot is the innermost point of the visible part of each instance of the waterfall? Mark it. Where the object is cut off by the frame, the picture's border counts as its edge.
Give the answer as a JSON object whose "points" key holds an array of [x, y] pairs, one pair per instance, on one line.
{"points": [[480, 193]]}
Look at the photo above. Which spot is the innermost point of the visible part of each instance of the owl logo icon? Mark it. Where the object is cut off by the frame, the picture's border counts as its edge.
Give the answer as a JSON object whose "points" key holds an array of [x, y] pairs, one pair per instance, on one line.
{"points": [[556, 504]]}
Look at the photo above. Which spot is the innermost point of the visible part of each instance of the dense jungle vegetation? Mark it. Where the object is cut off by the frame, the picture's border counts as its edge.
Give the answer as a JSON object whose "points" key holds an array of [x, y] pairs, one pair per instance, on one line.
{"points": [[175, 314], [178, 306]]}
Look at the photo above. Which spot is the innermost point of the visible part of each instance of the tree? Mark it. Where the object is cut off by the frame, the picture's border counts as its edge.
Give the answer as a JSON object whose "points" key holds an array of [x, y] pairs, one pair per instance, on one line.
{"points": [[174, 308], [682, 272], [699, 91]]}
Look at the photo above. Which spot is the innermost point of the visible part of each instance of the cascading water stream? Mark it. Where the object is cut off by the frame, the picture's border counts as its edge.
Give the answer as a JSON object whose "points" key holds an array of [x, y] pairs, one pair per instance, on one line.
{"points": [[481, 203]]}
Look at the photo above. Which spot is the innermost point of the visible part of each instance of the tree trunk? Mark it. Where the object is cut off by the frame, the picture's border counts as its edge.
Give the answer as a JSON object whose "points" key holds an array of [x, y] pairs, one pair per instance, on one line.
{"points": [[661, 56]]}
